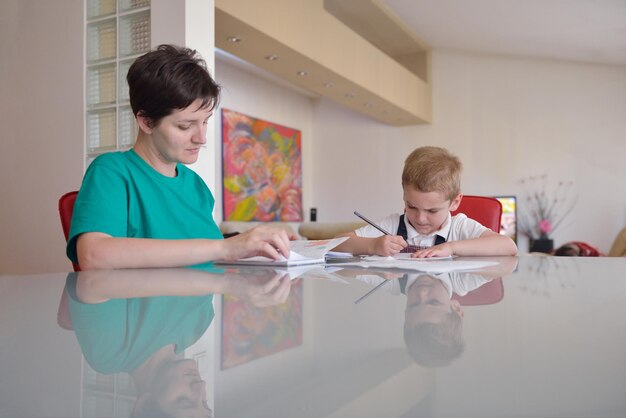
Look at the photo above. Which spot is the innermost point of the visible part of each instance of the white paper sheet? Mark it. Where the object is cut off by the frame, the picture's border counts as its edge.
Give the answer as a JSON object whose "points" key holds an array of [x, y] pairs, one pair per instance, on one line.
{"points": [[302, 252], [434, 266]]}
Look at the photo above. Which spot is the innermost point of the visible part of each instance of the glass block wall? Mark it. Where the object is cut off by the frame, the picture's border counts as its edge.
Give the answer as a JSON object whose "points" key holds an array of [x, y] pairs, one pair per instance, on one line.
{"points": [[117, 32]]}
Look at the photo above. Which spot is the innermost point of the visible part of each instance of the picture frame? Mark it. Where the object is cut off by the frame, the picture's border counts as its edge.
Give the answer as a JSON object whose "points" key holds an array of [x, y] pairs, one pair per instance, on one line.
{"points": [[508, 224], [261, 170]]}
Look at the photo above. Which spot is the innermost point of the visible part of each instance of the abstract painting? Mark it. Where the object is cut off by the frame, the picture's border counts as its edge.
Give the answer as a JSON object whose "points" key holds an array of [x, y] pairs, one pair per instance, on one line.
{"points": [[250, 332], [262, 170]]}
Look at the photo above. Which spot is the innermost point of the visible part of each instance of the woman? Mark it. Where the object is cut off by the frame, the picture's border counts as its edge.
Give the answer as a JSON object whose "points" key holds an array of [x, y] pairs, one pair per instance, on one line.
{"points": [[144, 207]]}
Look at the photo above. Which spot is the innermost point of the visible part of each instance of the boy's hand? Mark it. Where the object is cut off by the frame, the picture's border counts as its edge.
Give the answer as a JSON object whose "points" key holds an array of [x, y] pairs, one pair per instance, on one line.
{"points": [[441, 250], [387, 245]]}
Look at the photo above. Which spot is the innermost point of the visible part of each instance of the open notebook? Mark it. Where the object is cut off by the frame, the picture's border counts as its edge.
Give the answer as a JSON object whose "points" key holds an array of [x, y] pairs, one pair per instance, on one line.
{"points": [[302, 252]]}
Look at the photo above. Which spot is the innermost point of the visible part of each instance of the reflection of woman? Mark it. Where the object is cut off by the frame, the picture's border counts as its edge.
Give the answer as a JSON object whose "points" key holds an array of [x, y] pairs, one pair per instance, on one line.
{"points": [[144, 336], [137, 321]]}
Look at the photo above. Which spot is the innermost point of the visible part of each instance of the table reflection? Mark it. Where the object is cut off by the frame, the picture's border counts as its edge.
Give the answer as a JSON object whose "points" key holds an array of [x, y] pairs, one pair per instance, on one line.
{"points": [[433, 316], [544, 338], [141, 321]]}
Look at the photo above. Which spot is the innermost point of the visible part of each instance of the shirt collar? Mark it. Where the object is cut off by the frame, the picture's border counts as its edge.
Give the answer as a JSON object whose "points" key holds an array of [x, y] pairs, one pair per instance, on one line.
{"points": [[444, 277], [443, 231]]}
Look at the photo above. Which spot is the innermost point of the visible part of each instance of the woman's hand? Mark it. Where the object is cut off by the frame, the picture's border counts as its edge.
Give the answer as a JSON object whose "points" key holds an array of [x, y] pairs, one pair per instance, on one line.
{"points": [[259, 241], [263, 289]]}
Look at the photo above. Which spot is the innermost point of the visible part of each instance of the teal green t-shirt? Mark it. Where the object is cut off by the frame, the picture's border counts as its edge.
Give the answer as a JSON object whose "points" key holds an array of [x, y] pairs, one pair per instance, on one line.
{"points": [[123, 196], [121, 334]]}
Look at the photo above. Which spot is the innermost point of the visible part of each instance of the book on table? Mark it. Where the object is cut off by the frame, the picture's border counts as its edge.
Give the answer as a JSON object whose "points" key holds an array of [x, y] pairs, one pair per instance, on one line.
{"points": [[302, 252]]}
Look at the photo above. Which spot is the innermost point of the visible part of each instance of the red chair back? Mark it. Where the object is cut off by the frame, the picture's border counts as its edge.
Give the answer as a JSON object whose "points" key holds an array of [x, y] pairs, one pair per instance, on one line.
{"points": [[66, 208], [486, 210]]}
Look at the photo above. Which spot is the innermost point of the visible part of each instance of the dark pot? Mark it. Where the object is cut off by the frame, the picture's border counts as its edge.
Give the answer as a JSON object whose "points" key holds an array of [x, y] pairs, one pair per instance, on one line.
{"points": [[542, 245]]}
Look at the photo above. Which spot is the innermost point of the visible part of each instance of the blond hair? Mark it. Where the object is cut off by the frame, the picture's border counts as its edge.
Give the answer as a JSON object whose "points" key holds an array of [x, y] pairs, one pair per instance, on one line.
{"points": [[433, 169], [435, 345]]}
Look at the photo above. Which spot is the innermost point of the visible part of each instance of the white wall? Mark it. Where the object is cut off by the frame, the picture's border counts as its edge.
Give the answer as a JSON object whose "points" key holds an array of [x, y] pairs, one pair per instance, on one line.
{"points": [[41, 111], [506, 119], [564, 119]]}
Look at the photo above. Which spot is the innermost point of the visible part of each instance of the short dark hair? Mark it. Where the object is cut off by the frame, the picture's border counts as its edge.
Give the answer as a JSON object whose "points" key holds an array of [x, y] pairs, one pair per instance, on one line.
{"points": [[567, 250], [167, 79], [149, 409]]}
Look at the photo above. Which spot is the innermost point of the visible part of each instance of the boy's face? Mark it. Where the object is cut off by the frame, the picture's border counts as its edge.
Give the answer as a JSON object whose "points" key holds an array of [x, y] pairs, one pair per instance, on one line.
{"points": [[428, 301], [427, 211]]}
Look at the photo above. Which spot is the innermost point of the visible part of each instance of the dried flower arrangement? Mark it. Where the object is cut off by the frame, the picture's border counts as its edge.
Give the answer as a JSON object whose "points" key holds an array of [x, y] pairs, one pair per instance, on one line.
{"points": [[543, 211]]}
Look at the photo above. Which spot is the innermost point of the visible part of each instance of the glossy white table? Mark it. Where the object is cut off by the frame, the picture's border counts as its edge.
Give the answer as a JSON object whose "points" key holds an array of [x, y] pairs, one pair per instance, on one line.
{"points": [[550, 341]]}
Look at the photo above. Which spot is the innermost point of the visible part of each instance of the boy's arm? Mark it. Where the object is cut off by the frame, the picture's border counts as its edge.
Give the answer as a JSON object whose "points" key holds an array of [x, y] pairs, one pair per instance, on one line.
{"points": [[385, 245], [487, 244]]}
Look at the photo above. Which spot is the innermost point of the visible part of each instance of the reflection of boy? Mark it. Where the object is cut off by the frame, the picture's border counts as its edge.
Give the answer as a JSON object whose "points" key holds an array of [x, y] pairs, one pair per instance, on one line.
{"points": [[431, 184], [433, 325], [433, 321]]}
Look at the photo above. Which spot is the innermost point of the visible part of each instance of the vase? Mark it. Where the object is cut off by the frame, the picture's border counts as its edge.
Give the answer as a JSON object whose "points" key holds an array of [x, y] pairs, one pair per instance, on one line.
{"points": [[541, 245]]}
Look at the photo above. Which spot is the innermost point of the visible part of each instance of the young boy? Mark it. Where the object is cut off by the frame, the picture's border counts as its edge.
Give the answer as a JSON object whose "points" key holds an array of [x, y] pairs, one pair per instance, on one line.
{"points": [[431, 183]]}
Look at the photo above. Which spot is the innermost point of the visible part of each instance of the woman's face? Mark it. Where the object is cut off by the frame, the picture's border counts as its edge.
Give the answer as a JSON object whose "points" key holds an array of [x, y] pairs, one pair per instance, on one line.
{"points": [[180, 391], [178, 137]]}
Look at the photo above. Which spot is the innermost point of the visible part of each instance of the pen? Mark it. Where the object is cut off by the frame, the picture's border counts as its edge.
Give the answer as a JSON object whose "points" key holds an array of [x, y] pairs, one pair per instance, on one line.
{"points": [[362, 298], [371, 223], [408, 249]]}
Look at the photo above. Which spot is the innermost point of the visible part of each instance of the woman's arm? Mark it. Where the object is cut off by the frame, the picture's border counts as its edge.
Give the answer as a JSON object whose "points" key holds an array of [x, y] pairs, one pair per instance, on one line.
{"points": [[262, 286], [101, 251]]}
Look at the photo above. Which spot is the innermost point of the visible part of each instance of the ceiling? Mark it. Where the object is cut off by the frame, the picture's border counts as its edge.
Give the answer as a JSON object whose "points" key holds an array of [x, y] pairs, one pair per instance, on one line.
{"points": [[591, 31], [325, 63]]}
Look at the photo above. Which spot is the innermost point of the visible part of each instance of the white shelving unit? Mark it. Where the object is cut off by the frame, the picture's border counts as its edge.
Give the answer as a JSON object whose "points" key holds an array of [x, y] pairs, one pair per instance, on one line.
{"points": [[117, 32]]}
